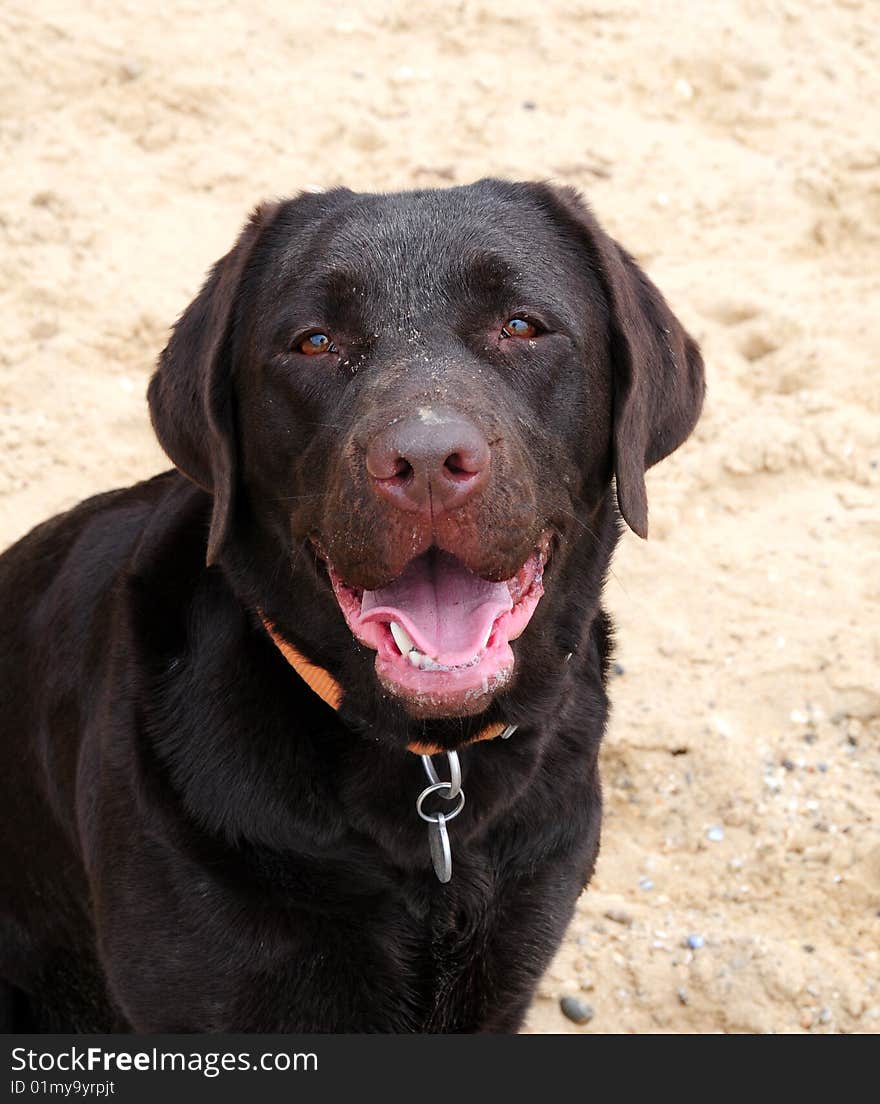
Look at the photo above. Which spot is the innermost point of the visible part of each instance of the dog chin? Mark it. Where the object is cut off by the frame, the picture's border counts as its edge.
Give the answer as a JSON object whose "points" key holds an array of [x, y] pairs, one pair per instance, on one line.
{"points": [[458, 692], [442, 634]]}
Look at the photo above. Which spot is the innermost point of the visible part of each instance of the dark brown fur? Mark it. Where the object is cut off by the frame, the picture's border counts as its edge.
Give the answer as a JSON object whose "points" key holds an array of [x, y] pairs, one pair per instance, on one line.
{"points": [[190, 840]]}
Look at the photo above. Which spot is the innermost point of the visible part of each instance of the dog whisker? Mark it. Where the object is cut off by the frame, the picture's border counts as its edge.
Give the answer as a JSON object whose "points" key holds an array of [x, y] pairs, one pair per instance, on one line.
{"points": [[297, 498]]}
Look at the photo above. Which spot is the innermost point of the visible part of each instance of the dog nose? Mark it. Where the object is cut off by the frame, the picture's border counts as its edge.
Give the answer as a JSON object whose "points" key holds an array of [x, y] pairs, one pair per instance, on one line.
{"points": [[429, 462]]}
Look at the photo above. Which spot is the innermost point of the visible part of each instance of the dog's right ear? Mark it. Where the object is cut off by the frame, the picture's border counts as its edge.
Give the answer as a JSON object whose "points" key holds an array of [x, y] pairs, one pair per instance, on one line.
{"points": [[190, 394]]}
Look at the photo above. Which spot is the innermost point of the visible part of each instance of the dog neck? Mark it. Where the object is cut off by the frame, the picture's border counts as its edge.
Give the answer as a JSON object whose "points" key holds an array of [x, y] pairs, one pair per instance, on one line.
{"points": [[323, 684]]}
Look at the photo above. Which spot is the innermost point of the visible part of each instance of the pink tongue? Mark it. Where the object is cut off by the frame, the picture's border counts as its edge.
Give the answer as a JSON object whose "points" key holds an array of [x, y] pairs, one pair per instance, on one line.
{"points": [[446, 609]]}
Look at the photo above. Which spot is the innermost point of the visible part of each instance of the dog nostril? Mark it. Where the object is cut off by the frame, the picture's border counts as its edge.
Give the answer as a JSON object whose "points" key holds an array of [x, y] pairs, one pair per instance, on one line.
{"points": [[387, 464], [403, 471], [456, 465]]}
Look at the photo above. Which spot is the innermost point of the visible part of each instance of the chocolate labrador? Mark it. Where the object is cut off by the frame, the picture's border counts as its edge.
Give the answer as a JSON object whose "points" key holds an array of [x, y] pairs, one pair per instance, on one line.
{"points": [[244, 701]]}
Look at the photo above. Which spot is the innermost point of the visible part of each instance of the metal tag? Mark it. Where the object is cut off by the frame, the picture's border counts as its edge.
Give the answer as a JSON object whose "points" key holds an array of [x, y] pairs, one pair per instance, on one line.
{"points": [[441, 852], [438, 835]]}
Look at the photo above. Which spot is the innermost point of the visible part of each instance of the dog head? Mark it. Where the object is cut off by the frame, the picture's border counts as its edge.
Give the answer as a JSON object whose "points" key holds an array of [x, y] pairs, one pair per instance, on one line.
{"points": [[408, 409]]}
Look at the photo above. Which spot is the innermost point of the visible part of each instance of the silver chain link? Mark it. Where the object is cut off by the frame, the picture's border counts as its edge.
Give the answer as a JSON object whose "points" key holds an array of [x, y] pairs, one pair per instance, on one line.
{"points": [[438, 835]]}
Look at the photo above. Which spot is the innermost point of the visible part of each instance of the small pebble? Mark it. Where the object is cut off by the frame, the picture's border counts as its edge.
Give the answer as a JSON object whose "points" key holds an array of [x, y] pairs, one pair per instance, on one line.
{"points": [[788, 764], [646, 883], [618, 669], [130, 70], [695, 942], [809, 948], [682, 996], [684, 89], [44, 330], [825, 1015], [722, 727], [715, 834], [529, 105], [577, 1010], [619, 917]]}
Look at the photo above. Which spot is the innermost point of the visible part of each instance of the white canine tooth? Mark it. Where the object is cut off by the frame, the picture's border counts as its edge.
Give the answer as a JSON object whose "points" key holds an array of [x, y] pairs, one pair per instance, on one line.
{"points": [[415, 657], [486, 639], [401, 638]]}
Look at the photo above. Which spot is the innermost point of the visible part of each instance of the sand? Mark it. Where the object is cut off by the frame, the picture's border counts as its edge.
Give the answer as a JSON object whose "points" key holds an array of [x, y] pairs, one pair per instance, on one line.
{"points": [[734, 147]]}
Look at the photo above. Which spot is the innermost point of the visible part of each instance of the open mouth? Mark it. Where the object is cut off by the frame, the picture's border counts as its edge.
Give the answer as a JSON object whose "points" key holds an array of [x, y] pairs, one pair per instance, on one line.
{"points": [[441, 633]]}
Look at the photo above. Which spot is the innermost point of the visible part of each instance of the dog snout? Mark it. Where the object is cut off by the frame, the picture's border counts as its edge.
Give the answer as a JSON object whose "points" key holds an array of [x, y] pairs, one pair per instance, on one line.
{"points": [[428, 462]]}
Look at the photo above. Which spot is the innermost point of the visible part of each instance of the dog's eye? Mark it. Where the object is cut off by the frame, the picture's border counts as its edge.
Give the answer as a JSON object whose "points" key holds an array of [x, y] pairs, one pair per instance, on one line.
{"points": [[315, 343], [519, 327]]}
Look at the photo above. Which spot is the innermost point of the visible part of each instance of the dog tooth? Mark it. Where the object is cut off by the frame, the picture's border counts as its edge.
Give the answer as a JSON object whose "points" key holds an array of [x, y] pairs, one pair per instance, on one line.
{"points": [[401, 638], [415, 657]]}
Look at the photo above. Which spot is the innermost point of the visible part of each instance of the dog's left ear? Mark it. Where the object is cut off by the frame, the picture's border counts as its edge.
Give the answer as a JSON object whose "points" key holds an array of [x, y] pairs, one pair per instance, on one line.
{"points": [[190, 394], [658, 371]]}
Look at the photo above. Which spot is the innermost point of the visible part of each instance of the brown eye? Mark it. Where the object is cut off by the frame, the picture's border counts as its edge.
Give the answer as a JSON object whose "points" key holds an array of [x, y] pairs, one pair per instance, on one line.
{"points": [[315, 343], [518, 327]]}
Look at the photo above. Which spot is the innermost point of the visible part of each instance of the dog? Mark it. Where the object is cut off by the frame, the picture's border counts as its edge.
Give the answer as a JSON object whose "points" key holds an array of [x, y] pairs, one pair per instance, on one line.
{"points": [[243, 701]]}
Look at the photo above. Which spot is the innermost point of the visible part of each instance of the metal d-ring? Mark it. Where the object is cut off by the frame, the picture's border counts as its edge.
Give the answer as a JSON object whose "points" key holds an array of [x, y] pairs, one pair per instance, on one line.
{"points": [[454, 773], [438, 837], [446, 817]]}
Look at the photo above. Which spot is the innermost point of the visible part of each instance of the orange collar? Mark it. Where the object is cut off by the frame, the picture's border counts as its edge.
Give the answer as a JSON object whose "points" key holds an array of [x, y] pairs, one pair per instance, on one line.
{"points": [[329, 690]]}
